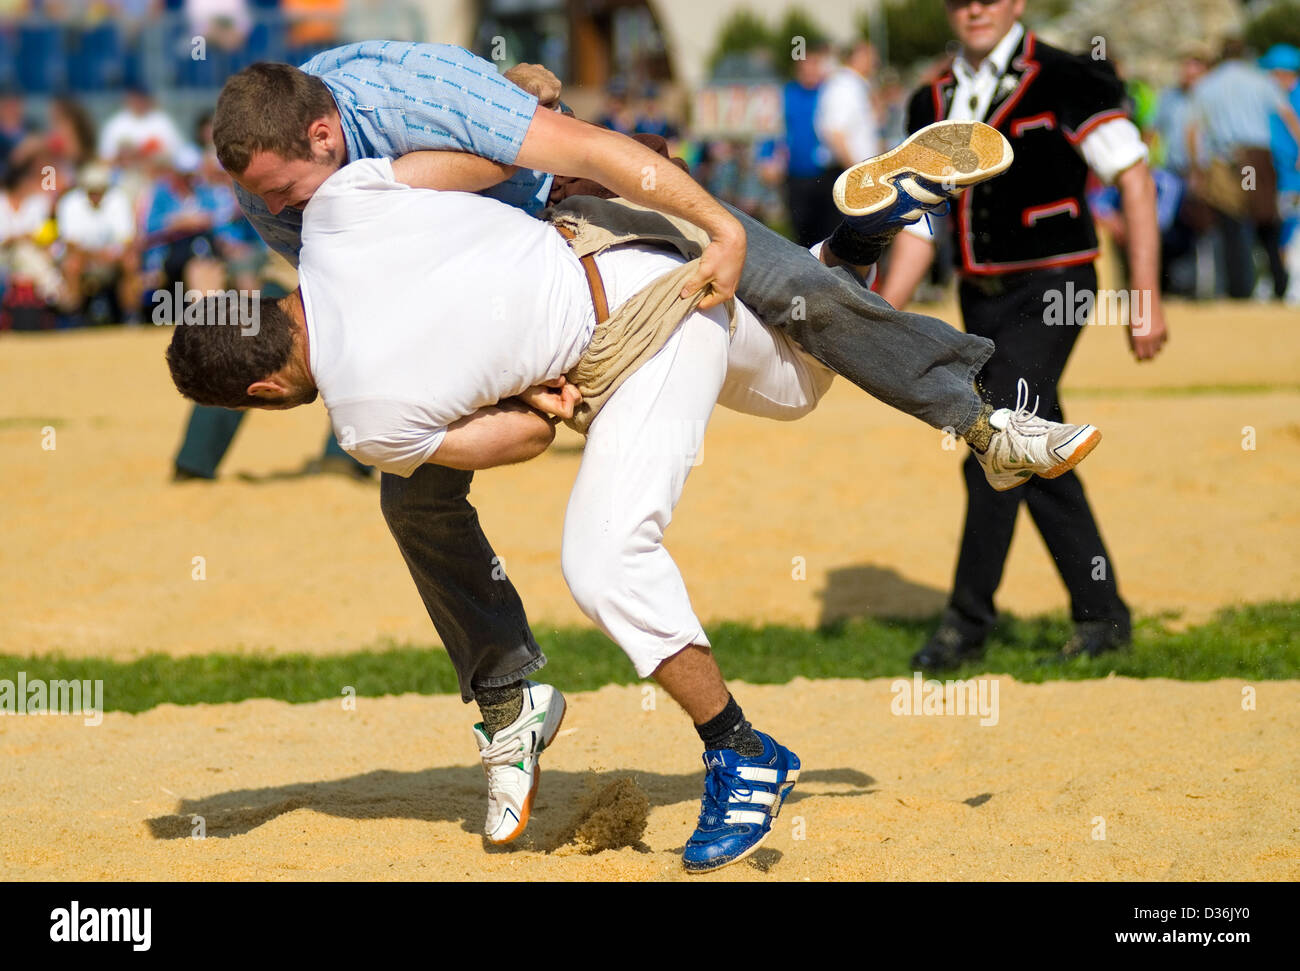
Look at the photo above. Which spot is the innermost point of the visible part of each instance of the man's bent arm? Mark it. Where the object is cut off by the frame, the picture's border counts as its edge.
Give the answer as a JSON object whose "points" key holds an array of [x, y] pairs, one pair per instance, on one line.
{"points": [[500, 434], [565, 146], [450, 171]]}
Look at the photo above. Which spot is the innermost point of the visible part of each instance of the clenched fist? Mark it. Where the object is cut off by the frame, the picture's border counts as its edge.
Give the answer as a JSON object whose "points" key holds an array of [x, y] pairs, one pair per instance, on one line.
{"points": [[537, 81]]}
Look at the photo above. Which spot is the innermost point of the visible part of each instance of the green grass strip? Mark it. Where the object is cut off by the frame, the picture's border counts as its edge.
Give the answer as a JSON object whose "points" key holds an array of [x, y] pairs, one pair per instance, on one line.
{"points": [[1260, 642]]}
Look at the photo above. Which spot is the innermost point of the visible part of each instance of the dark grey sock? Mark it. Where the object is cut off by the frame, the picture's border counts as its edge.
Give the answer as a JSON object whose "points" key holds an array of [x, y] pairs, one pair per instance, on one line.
{"points": [[499, 706], [980, 432], [729, 729]]}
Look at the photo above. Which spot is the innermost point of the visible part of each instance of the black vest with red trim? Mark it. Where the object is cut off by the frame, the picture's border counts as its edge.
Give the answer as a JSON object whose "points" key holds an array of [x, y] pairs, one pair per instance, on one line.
{"points": [[1035, 214]]}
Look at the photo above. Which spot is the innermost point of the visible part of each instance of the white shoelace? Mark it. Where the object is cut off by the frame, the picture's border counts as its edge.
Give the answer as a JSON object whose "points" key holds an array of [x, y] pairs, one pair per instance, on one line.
{"points": [[1023, 418], [505, 751]]}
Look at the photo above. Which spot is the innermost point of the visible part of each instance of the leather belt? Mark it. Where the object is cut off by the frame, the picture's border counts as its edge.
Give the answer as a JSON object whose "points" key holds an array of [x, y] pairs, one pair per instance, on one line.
{"points": [[594, 282]]}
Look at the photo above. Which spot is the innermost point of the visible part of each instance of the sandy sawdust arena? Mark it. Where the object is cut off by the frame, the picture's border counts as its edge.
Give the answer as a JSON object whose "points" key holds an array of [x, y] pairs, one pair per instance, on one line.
{"points": [[98, 547]]}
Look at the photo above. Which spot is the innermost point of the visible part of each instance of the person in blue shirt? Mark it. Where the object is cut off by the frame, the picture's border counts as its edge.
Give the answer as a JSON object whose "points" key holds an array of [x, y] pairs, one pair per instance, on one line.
{"points": [[281, 132], [809, 175], [1282, 61], [652, 120], [1230, 131]]}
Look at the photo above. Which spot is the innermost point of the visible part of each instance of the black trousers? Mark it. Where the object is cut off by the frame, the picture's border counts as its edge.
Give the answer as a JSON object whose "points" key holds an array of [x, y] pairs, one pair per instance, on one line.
{"points": [[1028, 347], [813, 215]]}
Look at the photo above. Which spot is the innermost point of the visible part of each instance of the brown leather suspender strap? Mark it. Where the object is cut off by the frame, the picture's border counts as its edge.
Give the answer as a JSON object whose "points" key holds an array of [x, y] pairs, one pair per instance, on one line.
{"points": [[594, 282]]}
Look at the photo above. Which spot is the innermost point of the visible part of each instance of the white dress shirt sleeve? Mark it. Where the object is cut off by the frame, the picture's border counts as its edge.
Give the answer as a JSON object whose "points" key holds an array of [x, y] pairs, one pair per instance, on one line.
{"points": [[1112, 147]]}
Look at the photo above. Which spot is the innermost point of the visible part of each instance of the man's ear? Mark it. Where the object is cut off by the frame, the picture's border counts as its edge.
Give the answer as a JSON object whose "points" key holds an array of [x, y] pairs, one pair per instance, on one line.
{"points": [[325, 136], [270, 388]]}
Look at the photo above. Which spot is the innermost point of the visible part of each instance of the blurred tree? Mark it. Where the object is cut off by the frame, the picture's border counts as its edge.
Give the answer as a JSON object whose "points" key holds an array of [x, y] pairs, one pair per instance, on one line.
{"points": [[744, 34], [915, 30], [795, 24], [1279, 24]]}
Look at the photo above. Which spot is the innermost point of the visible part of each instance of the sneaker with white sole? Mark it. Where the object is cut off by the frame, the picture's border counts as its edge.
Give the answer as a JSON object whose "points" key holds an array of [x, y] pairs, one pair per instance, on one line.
{"points": [[510, 760], [1025, 445], [741, 798], [922, 175]]}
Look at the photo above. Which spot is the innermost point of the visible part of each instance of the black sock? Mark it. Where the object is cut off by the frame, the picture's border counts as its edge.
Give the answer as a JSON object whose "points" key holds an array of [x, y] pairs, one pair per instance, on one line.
{"points": [[859, 249], [729, 729], [499, 706]]}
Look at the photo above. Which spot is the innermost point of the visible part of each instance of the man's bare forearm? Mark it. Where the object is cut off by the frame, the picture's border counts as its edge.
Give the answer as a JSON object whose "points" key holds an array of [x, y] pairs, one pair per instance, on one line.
{"points": [[502, 434], [1138, 198]]}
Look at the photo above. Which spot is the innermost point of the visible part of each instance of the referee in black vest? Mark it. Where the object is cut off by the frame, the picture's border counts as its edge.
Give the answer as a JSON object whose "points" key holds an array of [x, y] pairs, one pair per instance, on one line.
{"points": [[1026, 244]]}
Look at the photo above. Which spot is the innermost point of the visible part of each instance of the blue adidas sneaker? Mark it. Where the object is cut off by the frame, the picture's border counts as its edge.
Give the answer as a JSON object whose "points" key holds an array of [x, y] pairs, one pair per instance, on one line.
{"points": [[922, 175], [741, 798]]}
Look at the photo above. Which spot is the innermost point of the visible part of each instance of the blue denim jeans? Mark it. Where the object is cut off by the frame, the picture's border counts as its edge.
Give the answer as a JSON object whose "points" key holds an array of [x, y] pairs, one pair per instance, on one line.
{"points": [[915, 363]]}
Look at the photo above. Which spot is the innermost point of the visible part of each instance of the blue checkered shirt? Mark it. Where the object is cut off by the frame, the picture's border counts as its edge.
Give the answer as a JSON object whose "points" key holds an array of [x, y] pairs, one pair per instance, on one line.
{"points": [[395, 98]]}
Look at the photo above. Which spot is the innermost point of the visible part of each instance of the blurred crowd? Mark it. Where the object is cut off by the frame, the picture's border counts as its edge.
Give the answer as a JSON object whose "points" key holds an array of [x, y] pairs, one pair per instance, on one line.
{"points": [[98, 220], [97, 225], [51, 46]]}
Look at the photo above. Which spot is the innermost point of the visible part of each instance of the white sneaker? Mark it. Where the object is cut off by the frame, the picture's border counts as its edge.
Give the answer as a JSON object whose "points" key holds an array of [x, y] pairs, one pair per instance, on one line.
{"points": [[1024, 444], [510, 760]]}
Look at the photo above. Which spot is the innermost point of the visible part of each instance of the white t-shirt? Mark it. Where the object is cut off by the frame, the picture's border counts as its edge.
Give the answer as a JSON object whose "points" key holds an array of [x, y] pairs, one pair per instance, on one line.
{"points": [[95, 228], [154, 130], [844, 105], [27, 219], [424, 306]]}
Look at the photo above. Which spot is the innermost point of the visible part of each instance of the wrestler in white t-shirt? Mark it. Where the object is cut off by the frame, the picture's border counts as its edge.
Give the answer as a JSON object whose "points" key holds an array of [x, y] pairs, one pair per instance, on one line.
{"points": [[423, 307]]}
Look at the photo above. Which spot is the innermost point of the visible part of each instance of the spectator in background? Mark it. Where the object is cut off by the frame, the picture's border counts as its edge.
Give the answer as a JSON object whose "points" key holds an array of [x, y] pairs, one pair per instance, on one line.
{"points": [[216, 30], [1283, 62], [225, 24], [1231, 107], [72, 132], [616, 115], [180, 245], [238, 244], [132, 17], [1192, 218], [846, 121], [142, 133], [810, 174], [653, 120], [100, 264], [69, 142], [34, 289], [13, 126], [891, 107], [314, 26]]}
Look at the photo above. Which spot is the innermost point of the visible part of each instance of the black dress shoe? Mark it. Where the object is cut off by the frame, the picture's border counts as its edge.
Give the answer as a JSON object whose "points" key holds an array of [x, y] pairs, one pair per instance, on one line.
{"points": [[1092, 638], [947, 648]]}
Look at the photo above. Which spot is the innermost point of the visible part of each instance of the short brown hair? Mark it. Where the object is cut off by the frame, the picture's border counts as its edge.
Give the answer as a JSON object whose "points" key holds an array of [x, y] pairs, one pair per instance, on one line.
{"points": [[267, 107]]}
